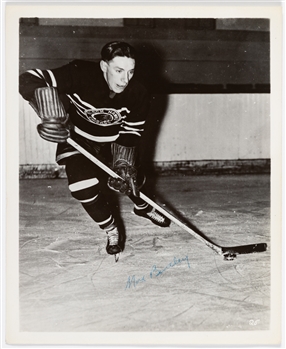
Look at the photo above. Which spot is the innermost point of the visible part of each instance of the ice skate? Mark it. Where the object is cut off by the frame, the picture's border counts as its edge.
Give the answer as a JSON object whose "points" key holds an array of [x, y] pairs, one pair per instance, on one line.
{"points": [[153, 215], [112, 246]]}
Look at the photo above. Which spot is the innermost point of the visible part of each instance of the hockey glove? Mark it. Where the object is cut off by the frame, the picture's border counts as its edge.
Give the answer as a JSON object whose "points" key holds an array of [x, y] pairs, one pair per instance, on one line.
{"points": [[51, 111], [123, 165]]}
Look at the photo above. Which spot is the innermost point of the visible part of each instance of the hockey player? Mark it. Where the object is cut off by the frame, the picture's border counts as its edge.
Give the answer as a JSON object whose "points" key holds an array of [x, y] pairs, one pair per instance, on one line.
{"points": [[106, 111]]}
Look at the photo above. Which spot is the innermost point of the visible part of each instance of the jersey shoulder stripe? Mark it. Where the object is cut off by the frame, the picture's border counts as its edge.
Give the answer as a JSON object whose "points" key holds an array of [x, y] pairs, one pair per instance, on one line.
{"points": [[45, 75]]}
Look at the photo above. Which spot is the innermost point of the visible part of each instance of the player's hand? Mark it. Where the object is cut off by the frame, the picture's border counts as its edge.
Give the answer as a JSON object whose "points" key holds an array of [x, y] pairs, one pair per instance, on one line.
{"points": [[127, 184]]}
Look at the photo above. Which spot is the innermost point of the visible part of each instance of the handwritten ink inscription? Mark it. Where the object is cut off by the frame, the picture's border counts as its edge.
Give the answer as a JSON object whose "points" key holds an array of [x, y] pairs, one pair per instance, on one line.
{"points": [[155, 272]]}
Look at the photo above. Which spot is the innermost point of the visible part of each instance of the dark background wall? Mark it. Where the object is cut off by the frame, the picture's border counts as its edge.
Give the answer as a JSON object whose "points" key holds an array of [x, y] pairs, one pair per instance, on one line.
{"points": [[210, 80], [175, 55]]}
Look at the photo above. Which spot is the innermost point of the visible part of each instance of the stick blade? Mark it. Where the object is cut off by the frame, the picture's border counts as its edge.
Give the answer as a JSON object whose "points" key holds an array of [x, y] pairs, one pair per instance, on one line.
{"points": [[254, 248]]}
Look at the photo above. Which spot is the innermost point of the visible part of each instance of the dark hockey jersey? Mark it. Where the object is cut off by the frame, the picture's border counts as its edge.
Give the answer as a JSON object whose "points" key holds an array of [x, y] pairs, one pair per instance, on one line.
{"points": [[95, 115]]}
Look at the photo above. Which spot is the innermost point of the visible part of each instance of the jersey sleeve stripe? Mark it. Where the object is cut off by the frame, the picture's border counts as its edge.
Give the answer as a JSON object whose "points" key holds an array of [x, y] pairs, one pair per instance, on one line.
{"points": [[80, 110], [130, 132], [138, 123], [40, 73], [84, 103], [35, 74], [75, 103], [133, 129], [53, 79]]}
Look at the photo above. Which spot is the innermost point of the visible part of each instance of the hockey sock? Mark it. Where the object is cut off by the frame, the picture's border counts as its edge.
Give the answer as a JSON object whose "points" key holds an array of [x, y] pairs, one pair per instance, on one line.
{"points": [[143, 207], [137, 201], [100, 212], [109, 227]]}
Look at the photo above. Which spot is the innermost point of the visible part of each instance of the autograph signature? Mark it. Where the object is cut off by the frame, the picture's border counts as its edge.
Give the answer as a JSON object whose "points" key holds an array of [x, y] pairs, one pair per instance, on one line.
{"points": [[155, 272]]}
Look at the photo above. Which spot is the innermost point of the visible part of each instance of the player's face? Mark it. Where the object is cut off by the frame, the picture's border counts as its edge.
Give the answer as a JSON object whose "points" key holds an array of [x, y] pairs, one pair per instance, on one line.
{"points": [[118, 72]]}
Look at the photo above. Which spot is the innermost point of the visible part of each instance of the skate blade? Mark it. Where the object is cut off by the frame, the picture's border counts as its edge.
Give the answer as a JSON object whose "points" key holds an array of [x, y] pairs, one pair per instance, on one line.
{"points": [[116, 257]]}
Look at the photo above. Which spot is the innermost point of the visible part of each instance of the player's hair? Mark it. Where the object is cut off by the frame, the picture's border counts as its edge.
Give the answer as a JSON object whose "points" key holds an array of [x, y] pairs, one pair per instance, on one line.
{"points": [[117, 48]]}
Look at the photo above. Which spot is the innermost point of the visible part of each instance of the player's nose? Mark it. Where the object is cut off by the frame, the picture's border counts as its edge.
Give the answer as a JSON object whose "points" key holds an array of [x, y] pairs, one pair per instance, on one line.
{"points": [[125, 78]]}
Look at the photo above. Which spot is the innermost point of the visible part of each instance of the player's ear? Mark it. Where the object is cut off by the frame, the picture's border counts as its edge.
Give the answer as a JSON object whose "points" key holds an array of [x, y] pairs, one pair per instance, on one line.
{"points": [[103, 66]]}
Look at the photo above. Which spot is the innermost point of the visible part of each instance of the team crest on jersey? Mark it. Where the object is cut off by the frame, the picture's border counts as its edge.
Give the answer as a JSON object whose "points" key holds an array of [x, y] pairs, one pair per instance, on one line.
{"points": [[106, 116]]}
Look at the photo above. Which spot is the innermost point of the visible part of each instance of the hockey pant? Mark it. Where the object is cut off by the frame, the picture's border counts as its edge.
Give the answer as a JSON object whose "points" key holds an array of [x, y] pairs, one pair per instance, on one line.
{"points": [[85, 180]]}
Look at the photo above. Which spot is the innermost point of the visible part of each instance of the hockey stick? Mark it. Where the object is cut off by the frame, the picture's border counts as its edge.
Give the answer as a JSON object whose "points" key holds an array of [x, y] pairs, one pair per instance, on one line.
{"points": [[229, 253]]}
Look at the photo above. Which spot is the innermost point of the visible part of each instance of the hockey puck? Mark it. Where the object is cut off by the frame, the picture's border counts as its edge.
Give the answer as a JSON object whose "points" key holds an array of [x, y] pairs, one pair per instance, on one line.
{"points": [[229, 256]]}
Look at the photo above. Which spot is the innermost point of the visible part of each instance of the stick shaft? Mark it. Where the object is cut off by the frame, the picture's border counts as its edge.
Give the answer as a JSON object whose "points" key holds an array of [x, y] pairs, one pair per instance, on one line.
{"points": [[180, 224], [218, 249], [145, 198]]}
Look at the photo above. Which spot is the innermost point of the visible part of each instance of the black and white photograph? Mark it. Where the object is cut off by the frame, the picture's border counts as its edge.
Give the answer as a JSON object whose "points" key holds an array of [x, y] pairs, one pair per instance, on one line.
{"points": [[145, 161]]}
